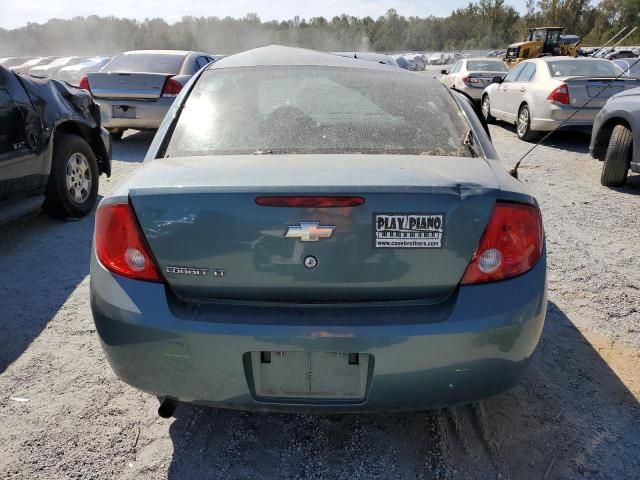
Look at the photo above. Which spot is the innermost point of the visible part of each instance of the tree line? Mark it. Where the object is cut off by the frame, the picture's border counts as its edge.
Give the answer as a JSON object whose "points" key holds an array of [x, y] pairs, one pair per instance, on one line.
{"points": [[482, 24]]}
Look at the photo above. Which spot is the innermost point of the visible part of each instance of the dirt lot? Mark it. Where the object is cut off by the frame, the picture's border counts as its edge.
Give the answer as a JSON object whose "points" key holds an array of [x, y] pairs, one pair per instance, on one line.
{"points": [[63, 414]]}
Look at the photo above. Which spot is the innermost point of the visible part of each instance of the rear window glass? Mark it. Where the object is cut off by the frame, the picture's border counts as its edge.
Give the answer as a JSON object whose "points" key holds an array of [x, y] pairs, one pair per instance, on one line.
{"points": [[146, 62], [306, 109], [35, 61], [61, 61], [631, 68], [486, 66], [583, 68]]}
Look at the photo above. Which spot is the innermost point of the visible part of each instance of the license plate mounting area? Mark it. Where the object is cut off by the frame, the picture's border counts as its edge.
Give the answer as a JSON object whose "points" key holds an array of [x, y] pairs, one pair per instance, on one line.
{"points": [[310, 375], [124, 111]]}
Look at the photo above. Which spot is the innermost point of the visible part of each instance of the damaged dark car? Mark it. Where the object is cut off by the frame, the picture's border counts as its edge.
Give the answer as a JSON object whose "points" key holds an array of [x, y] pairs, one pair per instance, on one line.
{"points": [[52, 148]]}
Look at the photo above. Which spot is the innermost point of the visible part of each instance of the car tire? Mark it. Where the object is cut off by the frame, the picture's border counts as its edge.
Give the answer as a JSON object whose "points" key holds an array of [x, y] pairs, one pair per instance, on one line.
{"points": [[617, 158], [116, 134], [486, 110], [72, 188], [523, 124]]}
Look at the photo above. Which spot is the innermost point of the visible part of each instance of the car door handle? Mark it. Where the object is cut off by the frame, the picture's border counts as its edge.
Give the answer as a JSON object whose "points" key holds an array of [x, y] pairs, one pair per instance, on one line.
{"points": [[523, 89]]}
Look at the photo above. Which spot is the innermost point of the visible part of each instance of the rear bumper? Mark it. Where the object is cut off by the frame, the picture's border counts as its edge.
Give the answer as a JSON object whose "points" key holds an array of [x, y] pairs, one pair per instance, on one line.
{"points": [[554, 116], [480, 349], [149, 113]]}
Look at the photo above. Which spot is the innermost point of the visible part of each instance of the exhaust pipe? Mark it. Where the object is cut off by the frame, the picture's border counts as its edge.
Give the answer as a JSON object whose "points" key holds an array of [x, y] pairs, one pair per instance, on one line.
{"points": [[167, 407]]}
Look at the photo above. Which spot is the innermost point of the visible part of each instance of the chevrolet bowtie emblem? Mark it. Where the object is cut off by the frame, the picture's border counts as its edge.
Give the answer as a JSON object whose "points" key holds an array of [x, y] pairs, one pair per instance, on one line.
{"points": [[309, 231]]}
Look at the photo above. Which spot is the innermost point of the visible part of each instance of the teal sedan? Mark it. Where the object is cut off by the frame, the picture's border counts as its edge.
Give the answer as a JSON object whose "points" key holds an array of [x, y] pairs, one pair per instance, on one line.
{"points": [[315, 233]]}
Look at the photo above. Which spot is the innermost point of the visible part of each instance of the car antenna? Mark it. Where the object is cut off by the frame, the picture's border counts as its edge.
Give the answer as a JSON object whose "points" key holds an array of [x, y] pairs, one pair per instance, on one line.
{"points": [[608, 41], [514, 171], [612, 48]]}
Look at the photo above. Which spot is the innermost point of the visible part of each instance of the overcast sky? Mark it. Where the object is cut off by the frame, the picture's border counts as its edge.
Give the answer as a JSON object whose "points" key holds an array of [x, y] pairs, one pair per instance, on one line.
{"points": [[17, 13]]}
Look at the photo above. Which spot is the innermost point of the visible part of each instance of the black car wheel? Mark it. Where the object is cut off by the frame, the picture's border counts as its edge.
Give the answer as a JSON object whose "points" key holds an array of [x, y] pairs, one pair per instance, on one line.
{"points": [[523, 124], [486, 110], [73, 183], [617, 158]]}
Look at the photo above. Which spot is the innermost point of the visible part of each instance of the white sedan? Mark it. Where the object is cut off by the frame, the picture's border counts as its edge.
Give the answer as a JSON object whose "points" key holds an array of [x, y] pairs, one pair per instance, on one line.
{"points": [[74, 73], [542, 94], [51, 70], [472, 75]]}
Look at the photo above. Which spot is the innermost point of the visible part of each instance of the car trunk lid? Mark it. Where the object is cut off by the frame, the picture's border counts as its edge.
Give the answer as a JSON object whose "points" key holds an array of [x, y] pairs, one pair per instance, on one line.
{"points": [[486, 78], [596, 90], [412, 238], [127, 85]]}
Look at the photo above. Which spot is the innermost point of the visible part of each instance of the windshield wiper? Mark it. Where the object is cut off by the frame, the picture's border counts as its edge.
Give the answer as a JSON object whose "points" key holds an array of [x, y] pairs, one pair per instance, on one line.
{"points": [[271, 151], [468, 141]]}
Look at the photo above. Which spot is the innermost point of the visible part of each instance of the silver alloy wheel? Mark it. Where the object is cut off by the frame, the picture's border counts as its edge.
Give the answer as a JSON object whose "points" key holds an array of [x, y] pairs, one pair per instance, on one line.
{"points": [[485, 107], [78, 177], [523, 122]]}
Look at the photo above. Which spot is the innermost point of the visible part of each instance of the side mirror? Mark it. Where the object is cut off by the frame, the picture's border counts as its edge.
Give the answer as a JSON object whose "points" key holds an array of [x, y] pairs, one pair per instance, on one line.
{"points": [[443, 72], [497, 79]]}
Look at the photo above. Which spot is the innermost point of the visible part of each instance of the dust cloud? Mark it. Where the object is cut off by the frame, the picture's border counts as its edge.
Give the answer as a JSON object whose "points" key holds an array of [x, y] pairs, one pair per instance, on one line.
{"points": [[110, 35]]}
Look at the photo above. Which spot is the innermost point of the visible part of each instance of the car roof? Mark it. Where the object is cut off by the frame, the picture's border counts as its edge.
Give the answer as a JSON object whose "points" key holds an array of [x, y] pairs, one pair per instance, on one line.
{"points": [[566, 59], [158, 52], [481, 59], [277, 55]]}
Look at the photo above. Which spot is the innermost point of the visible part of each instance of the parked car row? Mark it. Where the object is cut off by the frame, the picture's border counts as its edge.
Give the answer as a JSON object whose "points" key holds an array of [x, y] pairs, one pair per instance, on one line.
{"points": [[405, 61], [414, 61], [133, 89], [136, 89], [549, 93], [69, 69], [612, 53]]}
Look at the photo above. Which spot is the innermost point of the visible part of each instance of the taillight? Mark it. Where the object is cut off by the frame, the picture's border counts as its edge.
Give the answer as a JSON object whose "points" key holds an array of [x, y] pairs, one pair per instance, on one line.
{"points": [[84, 84], [309, 201], [560, 95], [120, 246], [511, 244], [470, 80], [171, 88]]}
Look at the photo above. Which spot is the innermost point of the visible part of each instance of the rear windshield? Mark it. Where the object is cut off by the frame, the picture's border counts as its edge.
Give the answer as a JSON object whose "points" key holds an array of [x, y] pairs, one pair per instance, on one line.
{"points": [[61, 61], [486, 66], [146, 62], [308, 109], [35, 61], [631, 68], [583, 68]]}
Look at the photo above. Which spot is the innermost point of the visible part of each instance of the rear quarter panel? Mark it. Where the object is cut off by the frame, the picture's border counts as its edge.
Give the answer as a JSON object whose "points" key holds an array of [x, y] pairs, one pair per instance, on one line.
{"points": [[539, 90]]}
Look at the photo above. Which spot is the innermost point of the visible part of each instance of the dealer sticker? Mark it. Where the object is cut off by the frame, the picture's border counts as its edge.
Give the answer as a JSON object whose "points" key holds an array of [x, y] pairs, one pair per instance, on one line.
{"points": [[408, 230]]}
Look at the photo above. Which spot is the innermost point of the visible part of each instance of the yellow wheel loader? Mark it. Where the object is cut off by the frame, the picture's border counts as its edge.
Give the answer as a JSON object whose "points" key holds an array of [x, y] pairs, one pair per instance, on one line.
{"points": [[541, 42]]}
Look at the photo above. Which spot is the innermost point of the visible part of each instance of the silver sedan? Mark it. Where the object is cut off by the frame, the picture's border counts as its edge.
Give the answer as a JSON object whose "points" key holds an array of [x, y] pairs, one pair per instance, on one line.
{"points": [[546, 93], [472, 75], [136, 89]]}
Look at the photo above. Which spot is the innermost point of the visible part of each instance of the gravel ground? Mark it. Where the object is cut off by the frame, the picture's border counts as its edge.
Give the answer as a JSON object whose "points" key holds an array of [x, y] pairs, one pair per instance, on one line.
{"points": [[575, 415]]}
